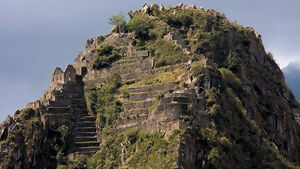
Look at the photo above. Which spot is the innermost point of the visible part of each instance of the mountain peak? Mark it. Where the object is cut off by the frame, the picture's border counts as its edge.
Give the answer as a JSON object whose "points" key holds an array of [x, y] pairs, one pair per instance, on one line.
{"points": [[181, 87]]}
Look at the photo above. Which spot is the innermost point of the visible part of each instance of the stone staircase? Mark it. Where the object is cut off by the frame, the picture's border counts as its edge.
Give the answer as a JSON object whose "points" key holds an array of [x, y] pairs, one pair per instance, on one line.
{"points": [[69, 108], [85, 137]]}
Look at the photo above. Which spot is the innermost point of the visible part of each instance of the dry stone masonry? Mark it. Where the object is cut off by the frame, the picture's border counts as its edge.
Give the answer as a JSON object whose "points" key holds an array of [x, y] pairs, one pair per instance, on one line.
{"points": [[64, 104]]}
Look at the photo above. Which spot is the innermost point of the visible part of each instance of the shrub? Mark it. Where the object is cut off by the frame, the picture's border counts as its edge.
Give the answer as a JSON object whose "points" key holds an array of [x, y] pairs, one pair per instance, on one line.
{"points": [[182, 18], [231, 79], [166, 53], [155, 102], [100, 38], [140, 24], [104, 56], [198, 73]]}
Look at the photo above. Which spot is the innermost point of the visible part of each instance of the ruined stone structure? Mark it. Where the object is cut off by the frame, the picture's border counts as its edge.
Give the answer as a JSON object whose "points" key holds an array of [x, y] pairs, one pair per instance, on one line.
{"points": [[64, 104], [60, 78], [172, 111]]}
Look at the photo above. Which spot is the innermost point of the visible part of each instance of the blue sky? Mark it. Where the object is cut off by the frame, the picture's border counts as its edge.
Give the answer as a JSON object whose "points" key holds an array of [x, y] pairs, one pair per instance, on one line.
{"points": [[38, 35]]}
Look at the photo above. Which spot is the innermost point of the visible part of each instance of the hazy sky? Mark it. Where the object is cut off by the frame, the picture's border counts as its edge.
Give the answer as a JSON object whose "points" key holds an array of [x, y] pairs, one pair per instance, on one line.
{"points": [[38, 35]]}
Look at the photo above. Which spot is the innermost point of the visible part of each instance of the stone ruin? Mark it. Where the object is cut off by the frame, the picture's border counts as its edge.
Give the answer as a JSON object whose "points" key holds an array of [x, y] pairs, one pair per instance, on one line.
{"points": [[60, 78], [59, 81]]}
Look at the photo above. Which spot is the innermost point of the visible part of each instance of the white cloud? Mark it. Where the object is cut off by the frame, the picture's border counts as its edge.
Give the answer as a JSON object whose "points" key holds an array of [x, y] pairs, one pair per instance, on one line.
{"points": [[284, 58]]}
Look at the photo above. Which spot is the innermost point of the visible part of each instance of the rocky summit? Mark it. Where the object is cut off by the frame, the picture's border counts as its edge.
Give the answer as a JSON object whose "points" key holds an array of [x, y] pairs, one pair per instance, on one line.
{"points": [[177, 87]]}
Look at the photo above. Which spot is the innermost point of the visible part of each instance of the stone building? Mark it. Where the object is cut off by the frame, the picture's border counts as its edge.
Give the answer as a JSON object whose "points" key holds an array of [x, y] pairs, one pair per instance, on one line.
{"points": [[60, 78]]}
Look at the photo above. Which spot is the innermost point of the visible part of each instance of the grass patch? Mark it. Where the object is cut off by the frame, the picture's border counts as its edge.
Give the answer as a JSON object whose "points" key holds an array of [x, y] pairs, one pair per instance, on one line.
{"points": [[155, 102], [166, 53], [157, 79], [136, 149], [125, 60]]}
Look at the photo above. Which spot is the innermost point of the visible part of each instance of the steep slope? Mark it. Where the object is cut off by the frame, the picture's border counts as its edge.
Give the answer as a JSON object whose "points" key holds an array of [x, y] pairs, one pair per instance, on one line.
{"points": [[173, 88]]}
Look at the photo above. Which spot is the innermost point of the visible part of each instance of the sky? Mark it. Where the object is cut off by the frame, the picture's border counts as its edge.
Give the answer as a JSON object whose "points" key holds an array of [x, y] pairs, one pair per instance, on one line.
{"points": [[38, 35]]}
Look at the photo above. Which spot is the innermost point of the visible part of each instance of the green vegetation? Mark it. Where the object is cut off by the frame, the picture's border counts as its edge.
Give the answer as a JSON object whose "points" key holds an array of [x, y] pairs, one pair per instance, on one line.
{"points": [[198, 73], [155, 102], [79, 161], [159, 78], [233, 140], [118, 20], [166, 53], [101, 101], [136, 149], [204, 33], [162, 78], [140, 25], [231, 79], [100, 38], [28, 140], [23, 137], [105, 55]]}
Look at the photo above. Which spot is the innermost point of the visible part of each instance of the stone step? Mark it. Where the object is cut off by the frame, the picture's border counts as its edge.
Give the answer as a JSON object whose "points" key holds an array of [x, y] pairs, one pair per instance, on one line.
{"points": [[78, 101], [132, 120], [85, 139], [80, 111], [172, 106], [125, 69], [60, 98], [133, 112], [58, 110], [137, 105], [83, 134], [153, 88], [87, 118], [180, 94], [75, 90], [142, 96], [86, 124], [122, 128], [86, 129], [124, 61], [169, 68], [60, 103], [74, 96], [86, 150], [86, 144], [135, 75], [182, 100]]}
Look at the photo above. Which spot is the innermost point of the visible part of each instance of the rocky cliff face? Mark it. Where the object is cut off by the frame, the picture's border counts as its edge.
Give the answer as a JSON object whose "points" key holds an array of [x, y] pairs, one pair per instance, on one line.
{"points": [[175, 88]]}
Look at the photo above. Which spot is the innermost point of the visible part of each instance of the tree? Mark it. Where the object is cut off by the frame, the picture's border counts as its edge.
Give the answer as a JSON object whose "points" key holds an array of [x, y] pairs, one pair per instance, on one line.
{"points": [[117, 20]]}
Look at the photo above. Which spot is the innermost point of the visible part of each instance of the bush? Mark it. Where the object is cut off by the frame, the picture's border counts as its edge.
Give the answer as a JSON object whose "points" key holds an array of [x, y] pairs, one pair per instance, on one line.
{"points": [[100, 38], [166, 53], [182, 18], [198, 73], [140, 24], [105, 55], [230, 78]]}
